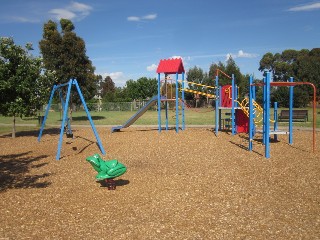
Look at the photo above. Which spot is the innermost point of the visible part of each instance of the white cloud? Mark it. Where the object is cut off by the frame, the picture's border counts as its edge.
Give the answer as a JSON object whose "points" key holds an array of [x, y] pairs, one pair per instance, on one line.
{"points": [[152, 67], [241, 54], [176, 57], [150, 17], [306, 7], [22, 19], [116, 75], [80, 7], [133, 19], [118, 78], [139, 19], [59, 13], [74, 11]]}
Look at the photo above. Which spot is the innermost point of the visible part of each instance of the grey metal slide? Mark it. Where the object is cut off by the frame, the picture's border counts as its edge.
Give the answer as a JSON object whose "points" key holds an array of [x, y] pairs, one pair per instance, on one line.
{"points": [[138, 114]]}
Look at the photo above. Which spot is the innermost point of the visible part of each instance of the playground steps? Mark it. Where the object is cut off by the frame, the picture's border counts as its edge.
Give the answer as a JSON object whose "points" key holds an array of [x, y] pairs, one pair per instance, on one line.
{"points": [[275, 132]]}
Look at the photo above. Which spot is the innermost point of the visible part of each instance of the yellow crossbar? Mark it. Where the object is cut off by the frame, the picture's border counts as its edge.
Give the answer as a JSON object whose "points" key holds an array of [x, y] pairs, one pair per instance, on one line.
{"points": [[198, 84], [197, 92]]}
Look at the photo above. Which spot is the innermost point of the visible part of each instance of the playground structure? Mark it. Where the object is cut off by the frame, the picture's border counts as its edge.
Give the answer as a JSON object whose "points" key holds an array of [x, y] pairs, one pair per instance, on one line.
{"points": [[171, 66], [65, 124], [228, 99], [267, 83], [167, 66], [245, 114]]}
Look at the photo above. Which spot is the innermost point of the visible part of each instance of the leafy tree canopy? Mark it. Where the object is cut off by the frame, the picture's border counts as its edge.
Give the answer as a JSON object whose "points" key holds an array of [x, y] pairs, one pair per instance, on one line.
{"points": [[143, 88], [22, 86], [65, 54], [302, 65]]}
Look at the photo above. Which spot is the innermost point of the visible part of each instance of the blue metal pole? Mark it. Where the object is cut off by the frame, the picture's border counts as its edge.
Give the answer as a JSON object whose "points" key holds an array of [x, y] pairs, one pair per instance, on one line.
{"points": [[65, 112], [182, 105], [63, 104], [159, 104], [47, 112], [250, 114], [275, 118], [217, 104], [61, 99], [177, 104], [267, 119], [264, 90], [166, 104], [89, 117], [290, 112], [233, 106]]}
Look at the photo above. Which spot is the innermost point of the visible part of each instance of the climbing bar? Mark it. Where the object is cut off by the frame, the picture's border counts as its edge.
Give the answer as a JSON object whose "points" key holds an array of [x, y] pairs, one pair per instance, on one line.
{"points": [[198, 84], [257, 111], [197, 92], [217, 74]]}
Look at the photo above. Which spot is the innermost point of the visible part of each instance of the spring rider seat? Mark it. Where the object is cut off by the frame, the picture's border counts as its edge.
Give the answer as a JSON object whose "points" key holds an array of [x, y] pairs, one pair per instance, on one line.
{"points": [[107, 170]]}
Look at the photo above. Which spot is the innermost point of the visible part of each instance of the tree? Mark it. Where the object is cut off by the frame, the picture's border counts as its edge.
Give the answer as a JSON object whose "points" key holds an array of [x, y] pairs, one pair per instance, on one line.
{"points": [[303, 65], [240, 80], [223, 80], [143, 88], [230, 68], [195, 75], [108, 89], [65, 54], [308, 69], [281, 65], [22, 87]]}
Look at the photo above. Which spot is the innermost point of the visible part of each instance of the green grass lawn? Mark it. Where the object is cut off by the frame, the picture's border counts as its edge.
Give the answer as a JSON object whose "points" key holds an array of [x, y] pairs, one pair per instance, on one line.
{"points": [[192, 117]]}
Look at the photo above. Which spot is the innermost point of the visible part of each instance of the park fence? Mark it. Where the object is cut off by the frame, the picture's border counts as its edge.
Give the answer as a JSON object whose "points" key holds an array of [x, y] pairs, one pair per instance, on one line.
{"points": [[130, 106]]}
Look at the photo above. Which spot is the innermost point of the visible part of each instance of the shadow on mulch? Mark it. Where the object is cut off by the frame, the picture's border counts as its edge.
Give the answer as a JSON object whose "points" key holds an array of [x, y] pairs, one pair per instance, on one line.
{"points": [[14, 169], [84, 147], [153, 129], [84, 118], [33, 133], [119, 182], [244, 147]]}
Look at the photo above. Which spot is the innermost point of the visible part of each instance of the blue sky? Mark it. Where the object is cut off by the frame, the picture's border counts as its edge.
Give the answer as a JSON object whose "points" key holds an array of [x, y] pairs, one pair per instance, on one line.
{"points": [[126, 39]]}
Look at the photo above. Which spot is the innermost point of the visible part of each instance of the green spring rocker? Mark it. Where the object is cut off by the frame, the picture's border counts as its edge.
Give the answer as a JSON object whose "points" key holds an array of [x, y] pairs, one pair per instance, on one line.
{"points": [[107, 170]]}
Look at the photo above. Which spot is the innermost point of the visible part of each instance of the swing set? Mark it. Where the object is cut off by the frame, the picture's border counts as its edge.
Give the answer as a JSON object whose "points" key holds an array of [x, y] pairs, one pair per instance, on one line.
{"points": [[66, 124]]}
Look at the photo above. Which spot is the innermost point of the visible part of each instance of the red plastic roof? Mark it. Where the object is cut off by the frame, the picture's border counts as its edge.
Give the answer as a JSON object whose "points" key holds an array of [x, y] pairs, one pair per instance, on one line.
{"points": [[170, 66]]}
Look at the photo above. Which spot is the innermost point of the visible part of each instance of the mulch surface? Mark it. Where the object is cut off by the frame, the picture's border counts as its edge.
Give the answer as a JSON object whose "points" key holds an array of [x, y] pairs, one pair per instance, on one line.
{"points": [[190, 185]]}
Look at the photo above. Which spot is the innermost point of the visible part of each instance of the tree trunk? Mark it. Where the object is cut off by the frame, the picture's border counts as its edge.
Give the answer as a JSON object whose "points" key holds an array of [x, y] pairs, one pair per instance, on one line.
{"points": [[14, 127]]}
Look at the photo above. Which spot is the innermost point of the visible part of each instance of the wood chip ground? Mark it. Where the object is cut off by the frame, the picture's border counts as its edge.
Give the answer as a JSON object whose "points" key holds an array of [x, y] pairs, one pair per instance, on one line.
{"points": [[190, 185]]}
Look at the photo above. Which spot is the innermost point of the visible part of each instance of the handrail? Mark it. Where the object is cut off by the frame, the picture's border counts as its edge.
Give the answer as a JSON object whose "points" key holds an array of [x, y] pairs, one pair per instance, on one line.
{"points": [[197, 92], [197, 84]]}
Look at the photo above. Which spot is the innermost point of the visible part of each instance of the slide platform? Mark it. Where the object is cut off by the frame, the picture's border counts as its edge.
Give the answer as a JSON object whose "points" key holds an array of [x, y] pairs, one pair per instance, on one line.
{"points": [[134, 118]]}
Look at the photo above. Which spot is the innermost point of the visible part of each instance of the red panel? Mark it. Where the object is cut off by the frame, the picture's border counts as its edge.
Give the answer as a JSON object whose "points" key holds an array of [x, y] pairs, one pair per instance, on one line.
{"points": [[170, 66], [242, 121], [226, 92]]}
